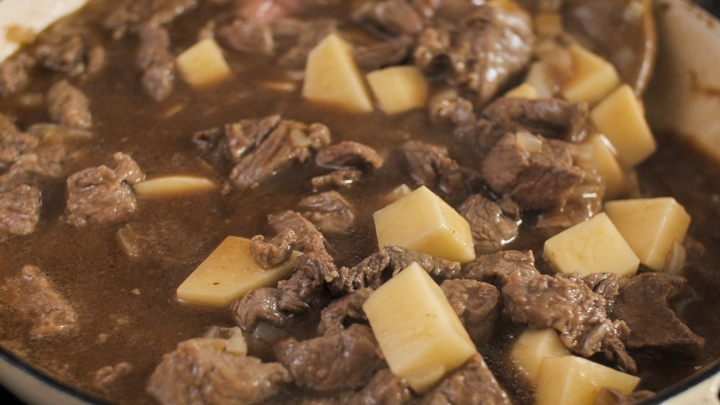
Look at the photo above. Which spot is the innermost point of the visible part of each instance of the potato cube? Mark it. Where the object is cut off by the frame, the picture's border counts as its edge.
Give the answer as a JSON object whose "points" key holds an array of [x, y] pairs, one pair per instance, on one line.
{"points": [[620, 117], [593, 246], [331, 76], [173, 185], [525, 90], [533, 346], [203, 64], [399, 88], [229, 273], [421, 336], [573, 380], [423, 222], [651, 226], [605, 162], [593, 77]]}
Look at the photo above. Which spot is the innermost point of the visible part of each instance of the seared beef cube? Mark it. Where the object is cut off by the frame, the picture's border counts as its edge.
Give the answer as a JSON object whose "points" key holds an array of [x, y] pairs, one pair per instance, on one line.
{"points": [[348, 154], [260, 305], [343, 309], [13, 77], [68, 105], [612, 396], [64, 56], [157, 81], [584, 202], [431, 166], [339, 360], [14, 143], [133, 15], [389, 17], [247, 36], [482, 53], [200, 371], [329, 211], [385, 388], [496, 268], [538, 173], [491, 228], [471, 384], [309, 238], [644, 305], [246, 134], [477, 304], [275, 252], [20, 210], [459, 112], [101, 195], [336, 179], [32, 294], [382, 54], [109, 376], [157, 62]]}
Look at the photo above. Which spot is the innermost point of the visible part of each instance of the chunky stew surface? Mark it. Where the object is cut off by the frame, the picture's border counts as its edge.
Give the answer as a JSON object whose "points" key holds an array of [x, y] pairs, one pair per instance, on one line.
{"points": [[88, 288]]}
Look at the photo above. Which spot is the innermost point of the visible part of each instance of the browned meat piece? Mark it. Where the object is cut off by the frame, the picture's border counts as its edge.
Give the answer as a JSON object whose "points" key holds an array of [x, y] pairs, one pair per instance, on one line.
{"points": [[267, 10], [389, 17], [348, 155], [340, 360], [24, 171], [496, 268], [649, 293], [382, 54], [309, 239], [458, 112], [275, 252], [491, 228], [336, 179], [157, 62], [340, 310], [612, 396], [584, 203], [385, 388], [20, 210], [317, 266], [96, 59], [289, 141], [199, 371], [605, 284], [569, 306], [536, 172], [68, 105], [101, 195], [471, 384], [477, 304], [32, 294], [260, 305], [64, 56], [13, 143], [13, 77], [303, 36], [249, 36], [482, 53], [246, 134], [431, 166], [133, 15], [105, 378], [329, 211]]}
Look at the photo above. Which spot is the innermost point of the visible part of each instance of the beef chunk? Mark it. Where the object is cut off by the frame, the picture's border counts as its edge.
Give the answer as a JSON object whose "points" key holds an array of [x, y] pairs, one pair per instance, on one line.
{"points": [[336, 179], [267, 10], [431, 166], [106, 377], [643, 305], [259, 306], [385, 388], [382, 54], [309, 239], [491, 228], [458, 112], [339, 360], [471, 384], [33, 295], [131, 16], [612, 396], [347, 155], [496, 268], [275, 252], [249, 36], [247, 134], [157, 62], [13, 77], [389, 17], [329, 211], [584, 202], [199, 371], [13, 143], [63, 56], [20, 210], [569, 306], [68, 105], [287, 142], [101, 195], [340, 310], [482, 53], [477, 304], [536, 172]]}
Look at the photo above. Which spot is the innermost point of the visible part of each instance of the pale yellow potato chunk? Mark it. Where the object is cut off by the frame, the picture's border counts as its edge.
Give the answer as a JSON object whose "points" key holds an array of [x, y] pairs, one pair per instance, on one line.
{"points": [[169, 186], [593, 246], [573, 380], [203, 64], [605, 162], [229, 273], [331, 76], [524, 90], [621, 118], [419, 333], [532, 347], [423, 222], [399, 88], [651, 226], [593, 77]]}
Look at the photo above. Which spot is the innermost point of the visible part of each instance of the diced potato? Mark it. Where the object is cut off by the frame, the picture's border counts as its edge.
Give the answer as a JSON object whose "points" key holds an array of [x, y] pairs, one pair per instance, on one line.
{"points": [[604, 160], [525, 90], [173, 185], [573, 380], [651, 226], [620, 117], [331, 76], [423, 222], [229, 273], [533, 346], [399, 88], [203, 64], [593, 77], [421, 336], [593, 246]]}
